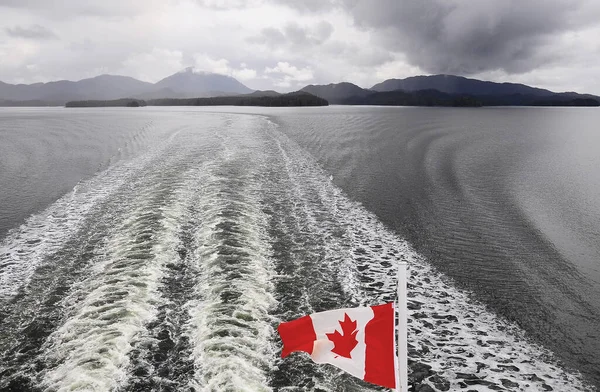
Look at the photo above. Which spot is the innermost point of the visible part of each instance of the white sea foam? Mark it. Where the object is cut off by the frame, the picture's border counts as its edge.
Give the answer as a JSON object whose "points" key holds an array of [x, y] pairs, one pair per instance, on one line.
{"points": [[333, 240], [230, 326], [462, 341], [110, 308], [25, 248]]}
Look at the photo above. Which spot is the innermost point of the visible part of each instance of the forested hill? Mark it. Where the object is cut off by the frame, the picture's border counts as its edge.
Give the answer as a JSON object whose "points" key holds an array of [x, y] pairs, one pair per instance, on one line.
{"points": [[298, 98], [125, 102], [416, 98], [447, 90], [437, 98]]}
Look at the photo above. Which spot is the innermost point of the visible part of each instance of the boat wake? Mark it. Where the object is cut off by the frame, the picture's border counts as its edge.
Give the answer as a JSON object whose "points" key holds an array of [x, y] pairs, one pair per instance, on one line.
{"points": [[170, 271]]}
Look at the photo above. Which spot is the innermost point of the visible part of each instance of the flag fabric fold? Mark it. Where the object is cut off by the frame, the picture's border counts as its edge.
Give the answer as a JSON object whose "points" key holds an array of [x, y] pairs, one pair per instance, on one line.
{"points": [[359, 341]]}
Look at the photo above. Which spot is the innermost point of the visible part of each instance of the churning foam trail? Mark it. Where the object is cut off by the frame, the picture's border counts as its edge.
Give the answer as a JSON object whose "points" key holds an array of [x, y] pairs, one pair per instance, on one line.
{"points": [[465, 345], [106, 313], [25, 248], [89, 351], [318, 259], [230, 326], [161, 356]]}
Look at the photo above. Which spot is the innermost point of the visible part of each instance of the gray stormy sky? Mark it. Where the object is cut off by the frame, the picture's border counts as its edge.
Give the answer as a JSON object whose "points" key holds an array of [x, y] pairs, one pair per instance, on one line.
{"points": [[286, 44]]}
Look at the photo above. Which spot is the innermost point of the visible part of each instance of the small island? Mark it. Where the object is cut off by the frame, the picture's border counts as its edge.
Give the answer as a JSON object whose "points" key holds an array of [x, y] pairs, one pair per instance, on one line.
{"points": [[298, 98], [124, 102]]}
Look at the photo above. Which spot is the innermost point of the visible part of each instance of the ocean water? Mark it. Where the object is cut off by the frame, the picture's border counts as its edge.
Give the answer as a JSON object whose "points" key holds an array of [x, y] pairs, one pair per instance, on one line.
{"points": [[158, 248]]}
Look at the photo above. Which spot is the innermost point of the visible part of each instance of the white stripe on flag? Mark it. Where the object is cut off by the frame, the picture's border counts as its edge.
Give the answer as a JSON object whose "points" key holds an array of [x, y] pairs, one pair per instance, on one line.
{"points": [[329, 322]]}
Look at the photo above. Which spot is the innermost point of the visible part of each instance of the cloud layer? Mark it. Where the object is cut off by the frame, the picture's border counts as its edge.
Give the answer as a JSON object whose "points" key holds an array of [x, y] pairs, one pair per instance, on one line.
{"points": [[469, 37], [31, 32], [284, 44]]}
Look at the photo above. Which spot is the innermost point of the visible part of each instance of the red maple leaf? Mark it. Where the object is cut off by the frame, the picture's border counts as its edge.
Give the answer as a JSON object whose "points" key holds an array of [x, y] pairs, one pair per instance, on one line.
{"points": [[344, 343]]}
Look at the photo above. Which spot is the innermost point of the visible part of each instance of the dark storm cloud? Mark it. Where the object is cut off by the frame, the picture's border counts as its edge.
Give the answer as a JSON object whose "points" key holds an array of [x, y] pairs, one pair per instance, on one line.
{"points": [[31, 32], [465, 37]]}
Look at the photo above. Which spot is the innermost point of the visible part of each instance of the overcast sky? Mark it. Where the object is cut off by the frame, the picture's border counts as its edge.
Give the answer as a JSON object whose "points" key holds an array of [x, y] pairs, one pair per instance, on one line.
{"points": [[286, 44]]}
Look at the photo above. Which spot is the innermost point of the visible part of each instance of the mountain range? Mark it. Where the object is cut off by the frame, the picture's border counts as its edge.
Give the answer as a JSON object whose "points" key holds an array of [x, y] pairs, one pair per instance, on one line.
{"points": [[435, 90], [446, 90], [185, 84]]}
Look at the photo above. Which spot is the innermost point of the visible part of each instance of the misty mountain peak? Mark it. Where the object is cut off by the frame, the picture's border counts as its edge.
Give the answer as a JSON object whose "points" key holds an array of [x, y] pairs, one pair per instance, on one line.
{"points": [[193, 70], [191, 81]]}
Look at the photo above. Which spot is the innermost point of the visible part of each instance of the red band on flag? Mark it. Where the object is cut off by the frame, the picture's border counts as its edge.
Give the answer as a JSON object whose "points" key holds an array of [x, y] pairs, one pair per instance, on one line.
{"points": [[380, 355], [297, 335]]}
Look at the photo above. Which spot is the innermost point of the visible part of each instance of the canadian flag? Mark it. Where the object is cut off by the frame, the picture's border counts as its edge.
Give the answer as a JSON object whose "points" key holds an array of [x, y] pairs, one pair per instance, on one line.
{"points": [[359, 341]]}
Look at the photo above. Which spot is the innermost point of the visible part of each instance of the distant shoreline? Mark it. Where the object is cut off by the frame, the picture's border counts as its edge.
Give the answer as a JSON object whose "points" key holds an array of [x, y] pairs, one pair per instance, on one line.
{"points": [[191, 88], [285, 100], [425, 98], [281, 101], [24, 105], [124, 102]]}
